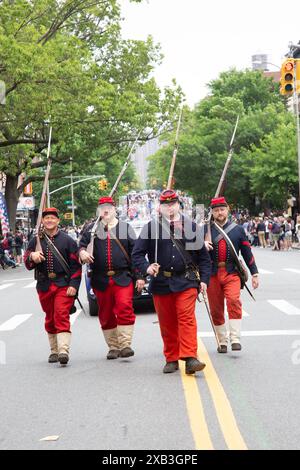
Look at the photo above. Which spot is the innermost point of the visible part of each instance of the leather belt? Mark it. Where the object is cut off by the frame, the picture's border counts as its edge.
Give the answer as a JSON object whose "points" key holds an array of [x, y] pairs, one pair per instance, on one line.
{"points": [[171, 273], [111, 273], [222, 264], [50, 276]]}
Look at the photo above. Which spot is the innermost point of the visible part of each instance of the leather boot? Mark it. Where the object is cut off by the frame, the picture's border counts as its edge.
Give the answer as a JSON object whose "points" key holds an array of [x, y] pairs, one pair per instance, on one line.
{"points": [[53, 348], [235, 334], [125, 333], [111, 338], [63, 343], [192, 365], [221, 331], [170, 367]]}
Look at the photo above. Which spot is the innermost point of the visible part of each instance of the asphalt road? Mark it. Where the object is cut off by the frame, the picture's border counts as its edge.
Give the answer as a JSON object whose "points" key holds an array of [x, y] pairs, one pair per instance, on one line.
{"points": [[247, 400]]}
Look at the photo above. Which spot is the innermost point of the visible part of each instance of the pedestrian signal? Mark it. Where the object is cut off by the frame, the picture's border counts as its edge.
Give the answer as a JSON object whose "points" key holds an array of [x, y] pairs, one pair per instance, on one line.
{"points": [[287, 78]]}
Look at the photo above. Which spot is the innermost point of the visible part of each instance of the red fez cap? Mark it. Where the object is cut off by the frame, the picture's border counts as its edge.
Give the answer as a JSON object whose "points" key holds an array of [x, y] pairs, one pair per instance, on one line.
{"points": [[218, 202], [168, 195], [50, 211], [106, 200]]}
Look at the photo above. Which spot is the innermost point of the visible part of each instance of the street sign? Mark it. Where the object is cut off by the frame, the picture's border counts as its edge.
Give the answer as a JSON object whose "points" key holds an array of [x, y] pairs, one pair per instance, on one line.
{"points": [[68, 216], [71, 207], [67, 202]]}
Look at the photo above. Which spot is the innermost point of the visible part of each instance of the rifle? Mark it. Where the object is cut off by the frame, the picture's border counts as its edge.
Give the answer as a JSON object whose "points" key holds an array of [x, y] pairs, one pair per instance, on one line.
{"points": [[220, 188], [37, 230], [170, 180], [90, 247]]}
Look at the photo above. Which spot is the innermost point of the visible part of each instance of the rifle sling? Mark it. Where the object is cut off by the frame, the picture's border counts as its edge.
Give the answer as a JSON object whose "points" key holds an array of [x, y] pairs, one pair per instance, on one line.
{"points": [[115, 238], [185, 255], [57, 255], [227, 231], [231, 247]]}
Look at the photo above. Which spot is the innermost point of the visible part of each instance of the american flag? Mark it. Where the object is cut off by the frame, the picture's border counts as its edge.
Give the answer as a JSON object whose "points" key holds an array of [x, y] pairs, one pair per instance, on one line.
{"points": [[3, 215]]}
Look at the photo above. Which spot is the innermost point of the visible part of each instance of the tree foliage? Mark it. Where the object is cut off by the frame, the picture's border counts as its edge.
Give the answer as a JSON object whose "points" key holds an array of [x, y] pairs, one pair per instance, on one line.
{"points": [[64, 61], [264, 160]]}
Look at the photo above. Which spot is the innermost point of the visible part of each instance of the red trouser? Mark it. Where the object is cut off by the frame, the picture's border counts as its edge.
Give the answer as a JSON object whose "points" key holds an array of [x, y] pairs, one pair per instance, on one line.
{"points": [[115, 305], [224, 286], [57, 305], [178, 326]]}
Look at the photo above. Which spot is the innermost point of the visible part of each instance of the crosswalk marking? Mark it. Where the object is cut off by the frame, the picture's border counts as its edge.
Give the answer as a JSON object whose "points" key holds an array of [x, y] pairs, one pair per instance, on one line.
{"points": [[209, 334], [29, 286], [285, 307], [292, 270], [20, 279], [74, 317], [14, 322], [5, 286], [265, 271]]}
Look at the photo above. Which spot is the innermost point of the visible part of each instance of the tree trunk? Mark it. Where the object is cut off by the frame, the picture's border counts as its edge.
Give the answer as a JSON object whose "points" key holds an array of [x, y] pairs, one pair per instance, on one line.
{"points": [[12, 197]]}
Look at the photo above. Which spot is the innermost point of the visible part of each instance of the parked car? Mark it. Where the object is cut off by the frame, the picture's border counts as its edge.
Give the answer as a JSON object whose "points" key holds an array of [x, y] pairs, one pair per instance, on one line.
{"points": [[141, 302]]}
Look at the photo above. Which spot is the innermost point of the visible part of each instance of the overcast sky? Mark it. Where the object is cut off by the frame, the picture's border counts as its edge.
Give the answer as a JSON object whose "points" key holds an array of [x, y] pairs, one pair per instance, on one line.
{"points": [[201, 38]]}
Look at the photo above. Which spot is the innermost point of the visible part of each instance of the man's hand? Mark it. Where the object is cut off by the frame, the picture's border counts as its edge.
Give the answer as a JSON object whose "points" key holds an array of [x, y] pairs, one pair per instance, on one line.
{"points": [[255, 282], [140, 284], [209, 246], [203, 288], [153, 269], [71, 292], [37, 257], [85, 257]]}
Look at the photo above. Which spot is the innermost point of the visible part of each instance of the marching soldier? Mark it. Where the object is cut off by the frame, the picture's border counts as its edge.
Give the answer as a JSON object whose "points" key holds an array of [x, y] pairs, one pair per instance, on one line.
{"points": [[57, 287], [225, 282], [112, 278], [175, 256]]}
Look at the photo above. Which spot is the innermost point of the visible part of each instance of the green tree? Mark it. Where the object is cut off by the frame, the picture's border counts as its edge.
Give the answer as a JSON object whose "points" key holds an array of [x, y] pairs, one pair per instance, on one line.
{"points": [[206, 134], [274, 172], [66, 61]]}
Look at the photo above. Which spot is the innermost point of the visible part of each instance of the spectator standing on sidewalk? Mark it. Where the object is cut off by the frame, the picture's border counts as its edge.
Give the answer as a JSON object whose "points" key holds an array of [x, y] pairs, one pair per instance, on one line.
{"points": [[261, 232]]}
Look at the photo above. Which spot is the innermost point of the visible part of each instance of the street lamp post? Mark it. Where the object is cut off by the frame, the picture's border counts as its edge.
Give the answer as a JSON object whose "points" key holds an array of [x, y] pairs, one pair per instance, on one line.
{"points": [[72, 192]]}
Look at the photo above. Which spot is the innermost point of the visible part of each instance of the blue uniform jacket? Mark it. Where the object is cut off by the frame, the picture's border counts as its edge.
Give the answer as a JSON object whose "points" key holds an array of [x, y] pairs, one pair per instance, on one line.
{"points": [[241, 244], [69, 250], [123, 277], [169, 258]]}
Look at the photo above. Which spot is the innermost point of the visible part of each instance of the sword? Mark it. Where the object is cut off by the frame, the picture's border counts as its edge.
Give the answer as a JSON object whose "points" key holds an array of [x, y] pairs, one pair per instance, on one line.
{"points": [[210, 317], [81, 306]]}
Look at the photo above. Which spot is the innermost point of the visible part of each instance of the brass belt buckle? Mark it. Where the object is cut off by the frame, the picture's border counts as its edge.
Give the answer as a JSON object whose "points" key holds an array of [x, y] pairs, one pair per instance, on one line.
{"points": [[167, 274], [111, 273], [52, 275]]}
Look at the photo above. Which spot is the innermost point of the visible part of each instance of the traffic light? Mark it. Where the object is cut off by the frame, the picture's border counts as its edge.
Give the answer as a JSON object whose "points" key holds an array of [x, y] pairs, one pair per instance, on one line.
{"points": [[28, 190], [102, 185], [288, 71], [297, 76]]}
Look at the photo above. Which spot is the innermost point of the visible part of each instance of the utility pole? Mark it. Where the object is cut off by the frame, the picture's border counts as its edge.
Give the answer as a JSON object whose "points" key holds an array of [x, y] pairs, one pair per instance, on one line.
{"points": [[295, 53]]}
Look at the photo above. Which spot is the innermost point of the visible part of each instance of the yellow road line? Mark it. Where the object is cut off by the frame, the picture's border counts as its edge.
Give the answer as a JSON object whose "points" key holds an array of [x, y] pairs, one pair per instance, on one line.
{"points": [[226, 418], [195, 411]]}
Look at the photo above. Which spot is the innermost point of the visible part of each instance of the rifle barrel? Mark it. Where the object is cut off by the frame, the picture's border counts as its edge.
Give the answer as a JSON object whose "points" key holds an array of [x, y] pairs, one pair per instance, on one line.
{"points": [[171, 173]]}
